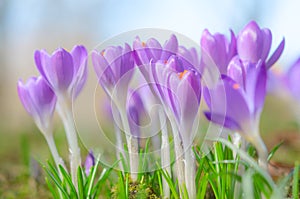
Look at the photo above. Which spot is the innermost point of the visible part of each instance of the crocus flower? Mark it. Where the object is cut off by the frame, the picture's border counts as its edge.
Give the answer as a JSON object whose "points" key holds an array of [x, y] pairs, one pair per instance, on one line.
{"points": [[114, 68], [65, 72], [245, 89], [39, 101], [89, 163], [180, 92], [254, 43], [293, 75], [217, 50], [135, 112]]}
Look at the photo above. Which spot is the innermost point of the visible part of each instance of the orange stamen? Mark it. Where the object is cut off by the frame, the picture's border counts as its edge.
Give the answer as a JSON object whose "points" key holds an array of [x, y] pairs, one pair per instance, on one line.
{"points": [[236, 86], [103, 52], [143, 44], [182, 74]]}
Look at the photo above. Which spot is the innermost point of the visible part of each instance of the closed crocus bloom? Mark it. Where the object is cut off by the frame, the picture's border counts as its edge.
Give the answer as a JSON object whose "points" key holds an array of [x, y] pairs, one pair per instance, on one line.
{"points": [[65, 72], [217, 49], [39, 101], [244, 90], [135, 111], [112, 65], [180, 90], [89, 163], [254, 43]]}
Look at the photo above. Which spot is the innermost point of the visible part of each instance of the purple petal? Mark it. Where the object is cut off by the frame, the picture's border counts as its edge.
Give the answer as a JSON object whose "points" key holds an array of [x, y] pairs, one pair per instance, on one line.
{"points": [[293, 76], [223, 121], [267, 41], [189, 94], [234, 105], [170, 48], [104, 73], [155, 49], [277, 53], [250, 43], [42, 61], [61, 73], [79, 54], [89, 163], [236, 71]]}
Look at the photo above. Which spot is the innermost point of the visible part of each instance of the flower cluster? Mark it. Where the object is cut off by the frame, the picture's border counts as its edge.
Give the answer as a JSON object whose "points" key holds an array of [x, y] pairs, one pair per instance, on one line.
{"points": [[175, 76]]}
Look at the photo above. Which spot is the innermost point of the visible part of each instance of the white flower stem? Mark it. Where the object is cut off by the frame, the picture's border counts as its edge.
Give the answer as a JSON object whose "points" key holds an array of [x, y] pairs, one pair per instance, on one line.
{"points": [[57, 159], [190, 167], [119, 145], [65, 112], [165, 152], [262, 152], [178, 153], [132, 145]]}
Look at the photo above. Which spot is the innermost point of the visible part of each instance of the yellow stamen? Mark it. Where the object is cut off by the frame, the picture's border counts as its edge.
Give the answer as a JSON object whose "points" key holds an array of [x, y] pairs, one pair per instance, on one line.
{"points": [[103, 52], [236, 86], [143, 44], [182, 74]]}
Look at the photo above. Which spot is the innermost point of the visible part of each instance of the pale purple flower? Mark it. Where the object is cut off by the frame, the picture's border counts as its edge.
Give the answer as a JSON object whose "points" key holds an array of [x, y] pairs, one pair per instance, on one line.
{"points": [[293, 77], [39, 101], [135, 112], [179, 91], [254, 43], [114, 67], [245, 90], [65, 72], [89, 163], [217, 50]]}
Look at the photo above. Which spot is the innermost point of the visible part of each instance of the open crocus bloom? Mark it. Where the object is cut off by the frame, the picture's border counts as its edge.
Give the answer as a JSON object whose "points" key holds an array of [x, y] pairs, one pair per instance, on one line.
{"points": [[254, 43], [39, 101], [217, 50], [65, 72], [245, 90]]}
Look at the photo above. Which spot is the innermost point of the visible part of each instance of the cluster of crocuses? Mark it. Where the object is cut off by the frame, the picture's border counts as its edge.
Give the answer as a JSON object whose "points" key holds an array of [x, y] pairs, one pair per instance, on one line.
{"points": [[176, 76]]}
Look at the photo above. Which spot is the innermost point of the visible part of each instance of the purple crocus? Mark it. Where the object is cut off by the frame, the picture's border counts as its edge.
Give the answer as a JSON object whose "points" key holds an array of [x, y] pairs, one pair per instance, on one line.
{"points": [[39, 101], [135, 112], [254, 43], [114, 68], [242, 92], [217, 50], [293, 75], [180, 91], [89, 163], [65, 72]]}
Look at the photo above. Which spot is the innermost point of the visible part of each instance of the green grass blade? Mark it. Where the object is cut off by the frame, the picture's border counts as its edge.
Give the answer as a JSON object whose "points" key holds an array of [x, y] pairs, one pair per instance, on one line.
{"points": [[80, 182], [68, 180], [296, 181]]}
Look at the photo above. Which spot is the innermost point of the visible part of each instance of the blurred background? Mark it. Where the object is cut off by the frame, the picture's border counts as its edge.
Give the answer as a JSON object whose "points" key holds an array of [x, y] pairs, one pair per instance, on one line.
{"points": [[34, 24]]}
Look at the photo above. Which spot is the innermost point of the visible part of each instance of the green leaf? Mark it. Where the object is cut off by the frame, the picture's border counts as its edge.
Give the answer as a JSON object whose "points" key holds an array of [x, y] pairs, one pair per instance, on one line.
{"points": [[68, 180], [57, 183], [273, 151], [296, 181], [80, 182]]}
